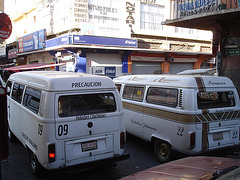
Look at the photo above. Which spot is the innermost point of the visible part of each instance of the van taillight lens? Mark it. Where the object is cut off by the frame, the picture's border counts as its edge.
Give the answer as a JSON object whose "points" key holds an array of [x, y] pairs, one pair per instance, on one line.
{"points": [[122, 140], [51, 153], [192, 140]]}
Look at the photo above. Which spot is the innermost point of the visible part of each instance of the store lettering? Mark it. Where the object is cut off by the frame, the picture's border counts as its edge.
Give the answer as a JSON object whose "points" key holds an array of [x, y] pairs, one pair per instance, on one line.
{"points": [[196, 7], [130, 9], [148, 1]]}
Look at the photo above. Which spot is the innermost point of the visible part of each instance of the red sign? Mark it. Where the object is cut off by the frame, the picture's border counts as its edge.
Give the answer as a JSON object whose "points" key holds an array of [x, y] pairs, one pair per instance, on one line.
{"points": [[5, 26]]}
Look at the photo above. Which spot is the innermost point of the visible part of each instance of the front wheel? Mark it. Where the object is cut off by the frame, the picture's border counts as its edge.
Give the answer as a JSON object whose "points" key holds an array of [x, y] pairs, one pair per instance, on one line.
{"points": [[35, 166], [162, 151]]}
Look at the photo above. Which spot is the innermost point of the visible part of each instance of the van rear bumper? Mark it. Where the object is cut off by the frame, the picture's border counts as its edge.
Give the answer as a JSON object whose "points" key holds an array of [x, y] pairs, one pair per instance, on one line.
{"points": [[92, 164]]}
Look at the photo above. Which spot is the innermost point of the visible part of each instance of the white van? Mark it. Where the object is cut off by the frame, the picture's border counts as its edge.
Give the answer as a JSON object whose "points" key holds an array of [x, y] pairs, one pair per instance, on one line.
{"points": [[66, 119], [189, 114]]}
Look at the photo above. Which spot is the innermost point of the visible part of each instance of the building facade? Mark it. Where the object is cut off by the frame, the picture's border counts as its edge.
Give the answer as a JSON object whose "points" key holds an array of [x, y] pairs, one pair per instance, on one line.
{"points": [[108, 37], [222, 17]]}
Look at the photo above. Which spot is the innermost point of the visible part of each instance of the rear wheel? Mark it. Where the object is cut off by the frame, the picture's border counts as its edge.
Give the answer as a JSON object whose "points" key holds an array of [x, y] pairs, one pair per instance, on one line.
{"points": [[35, 166], [162, 151]]}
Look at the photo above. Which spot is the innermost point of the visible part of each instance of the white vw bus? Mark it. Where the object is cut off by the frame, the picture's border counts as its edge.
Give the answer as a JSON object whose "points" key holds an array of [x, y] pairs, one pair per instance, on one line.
{"points": [[66, 119], [190, 114]]}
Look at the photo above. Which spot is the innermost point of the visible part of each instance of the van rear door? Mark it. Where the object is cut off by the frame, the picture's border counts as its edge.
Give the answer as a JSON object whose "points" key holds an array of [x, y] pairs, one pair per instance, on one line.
{"points": [[87, 123], [219, 118]]}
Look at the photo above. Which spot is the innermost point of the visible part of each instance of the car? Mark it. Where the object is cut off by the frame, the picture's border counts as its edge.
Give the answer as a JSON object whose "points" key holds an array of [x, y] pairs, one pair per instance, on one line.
{"points": [[192, 167]]}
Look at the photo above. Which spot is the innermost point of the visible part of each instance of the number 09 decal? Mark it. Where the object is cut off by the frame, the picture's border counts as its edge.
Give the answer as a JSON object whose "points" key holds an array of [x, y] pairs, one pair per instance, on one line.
{"points": [[62, 130]]}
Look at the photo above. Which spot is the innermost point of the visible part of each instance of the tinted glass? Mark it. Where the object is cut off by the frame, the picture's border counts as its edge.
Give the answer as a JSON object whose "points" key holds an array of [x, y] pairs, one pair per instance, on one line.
{"points": [[17, 92], [32, 99], [162, 96], [208, 100], [82, 104]]}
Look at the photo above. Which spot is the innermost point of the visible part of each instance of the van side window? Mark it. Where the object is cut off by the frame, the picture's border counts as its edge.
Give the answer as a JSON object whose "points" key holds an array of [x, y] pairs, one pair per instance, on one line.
{"points": [[82, 104], [9, 87], [31, 99], [133, 93], [17, 92], [162, 96], [208, 100]]}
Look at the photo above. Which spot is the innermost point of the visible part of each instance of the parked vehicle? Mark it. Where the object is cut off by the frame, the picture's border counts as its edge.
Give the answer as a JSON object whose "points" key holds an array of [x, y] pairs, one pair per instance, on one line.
{"points": [[199, 167], [66, 119], [189, 114]]}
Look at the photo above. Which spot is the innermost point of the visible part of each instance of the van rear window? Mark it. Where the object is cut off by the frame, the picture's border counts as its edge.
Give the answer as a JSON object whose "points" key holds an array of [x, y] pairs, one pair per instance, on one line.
{"points": [[82, 104], [208, 100]]}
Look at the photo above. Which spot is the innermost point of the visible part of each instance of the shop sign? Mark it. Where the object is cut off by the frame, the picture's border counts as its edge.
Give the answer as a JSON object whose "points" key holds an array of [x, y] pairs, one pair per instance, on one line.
{"points": [[98, 70], [57, 41], [2, 50], [105, 41], [33, 41], [232, 52], [188, 8], [110, 71], [12, 53], [5, 26]]}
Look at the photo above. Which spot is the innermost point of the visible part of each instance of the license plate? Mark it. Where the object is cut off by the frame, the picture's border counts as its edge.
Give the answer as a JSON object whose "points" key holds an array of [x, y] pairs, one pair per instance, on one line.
{"points": [[88, 146], [217, 136]]}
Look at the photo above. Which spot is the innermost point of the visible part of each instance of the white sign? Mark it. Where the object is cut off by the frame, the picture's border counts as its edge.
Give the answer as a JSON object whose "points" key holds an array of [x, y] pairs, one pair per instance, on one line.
{"points": [[98, 70]]}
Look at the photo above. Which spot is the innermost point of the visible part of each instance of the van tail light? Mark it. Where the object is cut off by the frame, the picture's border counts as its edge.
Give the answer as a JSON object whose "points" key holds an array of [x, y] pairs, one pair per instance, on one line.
{"points": [[122, 140], [192, 140], [51, 153]]}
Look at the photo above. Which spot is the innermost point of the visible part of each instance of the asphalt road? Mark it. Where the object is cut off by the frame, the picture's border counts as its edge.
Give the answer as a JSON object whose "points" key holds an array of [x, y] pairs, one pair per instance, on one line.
{"points": [[141, 157]]}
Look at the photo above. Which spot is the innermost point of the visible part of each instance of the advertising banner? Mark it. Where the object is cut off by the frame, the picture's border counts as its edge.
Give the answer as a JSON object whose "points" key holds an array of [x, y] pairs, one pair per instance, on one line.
{"points": [[79, 39], [57, 41], [12, 53], [110, 71], [191, 7], [33, 41]]}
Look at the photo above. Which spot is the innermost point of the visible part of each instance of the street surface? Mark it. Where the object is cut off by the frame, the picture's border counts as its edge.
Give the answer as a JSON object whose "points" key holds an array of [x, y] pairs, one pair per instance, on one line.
{"points": [[141, 158]]}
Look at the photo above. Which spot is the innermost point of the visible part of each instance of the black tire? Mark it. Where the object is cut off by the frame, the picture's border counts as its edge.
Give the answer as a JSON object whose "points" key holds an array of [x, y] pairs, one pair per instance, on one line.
{"points": [[162, 151], [36, 168], [11, 136]]}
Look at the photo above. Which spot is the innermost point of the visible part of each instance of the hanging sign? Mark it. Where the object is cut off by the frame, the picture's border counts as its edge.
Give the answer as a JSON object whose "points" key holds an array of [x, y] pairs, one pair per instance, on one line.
{"points": [[5, 26]]}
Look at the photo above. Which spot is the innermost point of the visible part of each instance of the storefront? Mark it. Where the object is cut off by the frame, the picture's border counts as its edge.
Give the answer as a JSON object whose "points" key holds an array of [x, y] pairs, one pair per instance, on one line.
{"points": [[165, 62], [93, 55]]}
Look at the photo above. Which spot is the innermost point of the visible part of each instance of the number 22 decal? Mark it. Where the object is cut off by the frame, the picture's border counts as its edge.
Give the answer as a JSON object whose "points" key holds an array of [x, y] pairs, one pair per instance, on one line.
{"points": [[180, 131]]}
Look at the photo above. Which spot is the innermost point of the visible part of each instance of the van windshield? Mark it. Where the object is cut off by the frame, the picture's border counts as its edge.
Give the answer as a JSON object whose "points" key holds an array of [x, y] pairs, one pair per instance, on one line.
{"points": [[82, 104], [208, 100]]}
